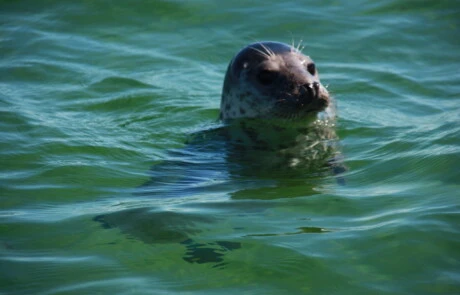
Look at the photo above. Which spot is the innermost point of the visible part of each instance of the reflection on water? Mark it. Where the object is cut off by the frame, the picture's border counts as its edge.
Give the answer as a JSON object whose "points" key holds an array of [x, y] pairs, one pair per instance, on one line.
{"points": [[152, 226]]}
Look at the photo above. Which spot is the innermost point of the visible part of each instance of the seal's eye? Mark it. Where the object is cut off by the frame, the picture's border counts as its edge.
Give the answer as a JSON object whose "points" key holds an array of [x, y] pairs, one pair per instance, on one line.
{"points": [[266, 77], [311, 68]]}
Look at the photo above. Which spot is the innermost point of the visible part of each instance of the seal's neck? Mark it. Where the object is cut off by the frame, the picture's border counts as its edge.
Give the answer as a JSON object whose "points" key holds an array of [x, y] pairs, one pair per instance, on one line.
{"points": [[275, 134]]}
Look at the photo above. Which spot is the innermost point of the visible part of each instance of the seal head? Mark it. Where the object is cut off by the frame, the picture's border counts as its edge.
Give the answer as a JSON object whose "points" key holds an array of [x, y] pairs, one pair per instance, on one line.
{"points": [[272, 80]]}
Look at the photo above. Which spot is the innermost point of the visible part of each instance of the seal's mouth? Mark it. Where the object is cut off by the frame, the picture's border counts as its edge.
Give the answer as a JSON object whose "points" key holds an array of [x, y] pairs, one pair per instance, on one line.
{"points": [[307, 101], [294, 112]]}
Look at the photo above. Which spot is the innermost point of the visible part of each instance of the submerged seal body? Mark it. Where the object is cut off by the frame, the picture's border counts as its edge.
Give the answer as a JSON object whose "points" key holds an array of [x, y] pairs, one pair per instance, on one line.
{"points": [[270, 102]]}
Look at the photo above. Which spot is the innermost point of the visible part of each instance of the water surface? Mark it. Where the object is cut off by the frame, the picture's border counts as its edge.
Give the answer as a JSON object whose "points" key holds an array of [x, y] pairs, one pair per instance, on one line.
{"points": [[95, 94]]}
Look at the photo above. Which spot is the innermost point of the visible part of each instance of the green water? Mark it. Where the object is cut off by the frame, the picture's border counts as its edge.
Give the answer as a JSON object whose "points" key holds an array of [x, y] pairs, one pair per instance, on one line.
{"points": [[95, 94]]}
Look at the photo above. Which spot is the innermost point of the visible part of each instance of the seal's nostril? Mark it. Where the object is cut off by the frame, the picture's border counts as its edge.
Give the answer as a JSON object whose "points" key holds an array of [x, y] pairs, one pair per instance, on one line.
{"points": [[306, 93], [316, 89], [306, 86], [311, 89], [306, 89]]}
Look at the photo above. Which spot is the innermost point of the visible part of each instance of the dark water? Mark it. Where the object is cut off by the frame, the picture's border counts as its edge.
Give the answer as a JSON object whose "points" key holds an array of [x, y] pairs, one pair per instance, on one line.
{"points": [[95, 93]]}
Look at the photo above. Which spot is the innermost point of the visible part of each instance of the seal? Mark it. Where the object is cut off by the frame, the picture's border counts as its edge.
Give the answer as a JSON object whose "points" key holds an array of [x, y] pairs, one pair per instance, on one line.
{"points": [[272, 80], [271, 109], [271, 99]]}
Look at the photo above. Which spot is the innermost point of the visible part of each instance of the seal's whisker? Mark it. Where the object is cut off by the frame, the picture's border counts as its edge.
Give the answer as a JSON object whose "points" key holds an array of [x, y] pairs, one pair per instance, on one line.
{"points": [[298, 45], [292, 40], [264, 54], [268, 50]]}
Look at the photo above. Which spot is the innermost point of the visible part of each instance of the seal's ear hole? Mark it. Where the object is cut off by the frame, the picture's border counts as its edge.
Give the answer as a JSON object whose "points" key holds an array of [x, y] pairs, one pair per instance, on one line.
{"points": [[311, 68], [266, 77]]}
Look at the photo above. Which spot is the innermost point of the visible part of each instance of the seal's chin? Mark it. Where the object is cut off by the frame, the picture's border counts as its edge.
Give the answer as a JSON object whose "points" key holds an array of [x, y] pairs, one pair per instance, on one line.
{"points": [[320, 104], [293, 118], [299, 110]]}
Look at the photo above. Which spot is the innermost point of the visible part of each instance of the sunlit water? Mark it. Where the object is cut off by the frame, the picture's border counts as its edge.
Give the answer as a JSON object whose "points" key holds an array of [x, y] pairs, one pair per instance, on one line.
{"points": [[100, 193]]}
